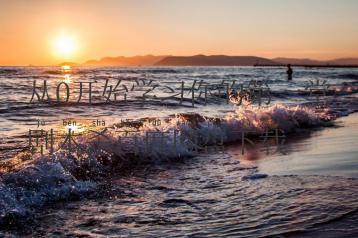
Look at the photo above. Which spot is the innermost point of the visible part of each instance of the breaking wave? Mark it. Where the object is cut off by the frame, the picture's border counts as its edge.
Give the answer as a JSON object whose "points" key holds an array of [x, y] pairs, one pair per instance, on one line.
{"points": [[28, 182]]}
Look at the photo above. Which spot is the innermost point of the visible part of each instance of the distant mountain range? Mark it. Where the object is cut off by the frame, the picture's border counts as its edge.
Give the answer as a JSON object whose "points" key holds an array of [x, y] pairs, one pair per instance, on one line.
{"points": [[212, 60]]}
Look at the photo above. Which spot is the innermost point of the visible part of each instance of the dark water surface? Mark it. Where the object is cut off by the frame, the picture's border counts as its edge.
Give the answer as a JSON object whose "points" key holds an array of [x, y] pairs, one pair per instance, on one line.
{"points": [[208, 198], [306, 188], [18, 115], [217, 196]]}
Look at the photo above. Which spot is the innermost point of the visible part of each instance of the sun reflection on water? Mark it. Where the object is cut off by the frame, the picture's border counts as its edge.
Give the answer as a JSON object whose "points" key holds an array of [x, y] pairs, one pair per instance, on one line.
{"points": [[80, 127], [74, 127], [67, 79]]}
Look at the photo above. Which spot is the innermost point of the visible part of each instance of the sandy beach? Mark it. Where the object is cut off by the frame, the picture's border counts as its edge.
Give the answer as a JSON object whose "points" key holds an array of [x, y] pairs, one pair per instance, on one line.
{"points": [[329, 152]]}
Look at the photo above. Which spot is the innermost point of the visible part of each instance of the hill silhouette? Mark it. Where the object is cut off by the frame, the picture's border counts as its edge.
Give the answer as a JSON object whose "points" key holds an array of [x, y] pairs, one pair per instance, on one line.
{"points": [[214, 60]]}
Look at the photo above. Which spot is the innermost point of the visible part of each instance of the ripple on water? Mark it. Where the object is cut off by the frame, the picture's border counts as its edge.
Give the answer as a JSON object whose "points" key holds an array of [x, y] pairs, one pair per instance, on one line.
{"points": [[171, 201]]}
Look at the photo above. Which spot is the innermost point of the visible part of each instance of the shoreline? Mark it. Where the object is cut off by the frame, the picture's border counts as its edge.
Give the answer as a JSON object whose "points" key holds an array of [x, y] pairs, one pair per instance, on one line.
{"points": [[253, 172], [310, 152], [119, 191]]}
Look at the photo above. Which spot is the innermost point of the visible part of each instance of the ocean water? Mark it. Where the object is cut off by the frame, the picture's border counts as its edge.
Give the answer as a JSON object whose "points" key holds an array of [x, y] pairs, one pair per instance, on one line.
{"points": [[144, 185], [18, 115], [210, 197]]}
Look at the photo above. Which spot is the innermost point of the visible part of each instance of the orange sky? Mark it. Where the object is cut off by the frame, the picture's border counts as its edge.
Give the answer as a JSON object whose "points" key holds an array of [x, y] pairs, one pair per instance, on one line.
{"points": [[320, 29]]}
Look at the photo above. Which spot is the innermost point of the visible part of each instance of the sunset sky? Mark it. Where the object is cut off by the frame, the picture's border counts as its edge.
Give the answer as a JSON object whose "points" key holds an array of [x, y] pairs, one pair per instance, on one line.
{"points": [[43, 32]]}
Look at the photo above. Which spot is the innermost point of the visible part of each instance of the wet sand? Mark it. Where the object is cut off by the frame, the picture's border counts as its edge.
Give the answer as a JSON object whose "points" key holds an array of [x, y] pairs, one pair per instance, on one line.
{"points": [[330, 151]]}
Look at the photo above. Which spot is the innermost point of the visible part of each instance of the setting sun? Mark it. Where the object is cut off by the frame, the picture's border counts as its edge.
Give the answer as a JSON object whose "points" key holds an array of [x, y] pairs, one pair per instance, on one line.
{"points": [[65, 46], [205, 118]]}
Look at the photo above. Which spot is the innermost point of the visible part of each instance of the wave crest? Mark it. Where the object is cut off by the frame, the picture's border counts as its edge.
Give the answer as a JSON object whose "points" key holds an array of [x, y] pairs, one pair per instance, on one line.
{"points": [[31, 183]]}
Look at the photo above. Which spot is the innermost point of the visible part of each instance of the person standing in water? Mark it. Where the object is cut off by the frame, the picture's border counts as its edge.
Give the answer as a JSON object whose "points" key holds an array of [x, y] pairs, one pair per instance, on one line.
{"points": [[289, 72]]}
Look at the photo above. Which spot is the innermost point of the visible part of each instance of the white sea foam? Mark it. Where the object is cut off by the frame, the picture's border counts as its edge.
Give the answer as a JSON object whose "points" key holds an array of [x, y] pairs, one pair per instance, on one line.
{"points": [[34, 185]]}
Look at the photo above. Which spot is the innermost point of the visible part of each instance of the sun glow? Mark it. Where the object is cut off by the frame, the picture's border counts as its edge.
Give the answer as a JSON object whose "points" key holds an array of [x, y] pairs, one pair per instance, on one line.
{"points": [[65, 46], [66, 68]]}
